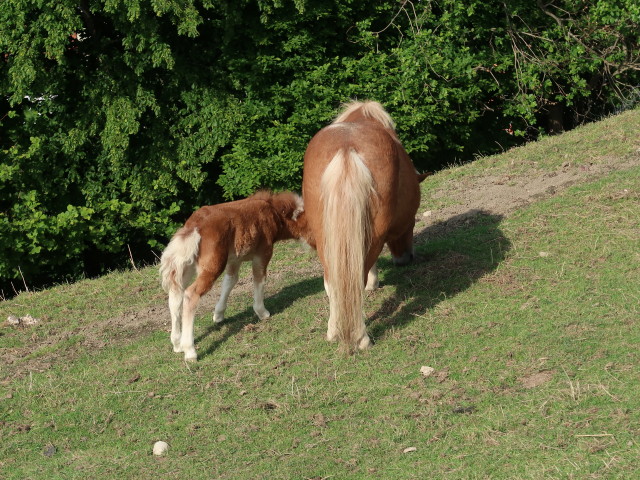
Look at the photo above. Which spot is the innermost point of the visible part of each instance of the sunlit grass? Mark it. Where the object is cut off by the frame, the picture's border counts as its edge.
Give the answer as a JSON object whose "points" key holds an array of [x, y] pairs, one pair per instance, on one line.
{"points": [[530, 322]]}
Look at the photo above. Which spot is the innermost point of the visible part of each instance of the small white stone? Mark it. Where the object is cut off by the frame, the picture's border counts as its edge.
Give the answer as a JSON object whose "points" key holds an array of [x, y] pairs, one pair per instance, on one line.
{"points": [[160, 448], [428, 213], [11, 320], [29, 320], [427, 371], [409, 450]]}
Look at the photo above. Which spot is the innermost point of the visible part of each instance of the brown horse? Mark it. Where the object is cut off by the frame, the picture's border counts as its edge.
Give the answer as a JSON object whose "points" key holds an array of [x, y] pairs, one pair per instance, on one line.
{"points": [[360, 191], [221, 237]]}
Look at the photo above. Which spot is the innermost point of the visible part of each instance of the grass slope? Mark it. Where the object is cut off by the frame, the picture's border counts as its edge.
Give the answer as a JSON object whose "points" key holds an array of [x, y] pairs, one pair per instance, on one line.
{"points": [[530, 322]]}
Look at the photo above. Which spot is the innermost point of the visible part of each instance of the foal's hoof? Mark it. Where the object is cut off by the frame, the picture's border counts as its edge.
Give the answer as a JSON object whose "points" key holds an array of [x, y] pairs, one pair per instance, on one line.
{"points": [[218, 317], [190, 355]]}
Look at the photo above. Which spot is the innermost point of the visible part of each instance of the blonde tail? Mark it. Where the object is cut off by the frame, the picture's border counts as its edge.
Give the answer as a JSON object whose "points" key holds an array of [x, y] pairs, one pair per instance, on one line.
{"points": [[177, 264], [347, 190]]}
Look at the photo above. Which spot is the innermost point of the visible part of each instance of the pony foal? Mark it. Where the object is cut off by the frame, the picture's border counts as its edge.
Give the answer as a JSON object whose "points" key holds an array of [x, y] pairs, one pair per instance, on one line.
{"points": [[220, 237]]}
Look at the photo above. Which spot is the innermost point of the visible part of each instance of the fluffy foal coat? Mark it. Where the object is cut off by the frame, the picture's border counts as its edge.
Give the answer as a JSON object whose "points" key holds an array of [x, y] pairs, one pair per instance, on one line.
{"points": [[220, 237]]}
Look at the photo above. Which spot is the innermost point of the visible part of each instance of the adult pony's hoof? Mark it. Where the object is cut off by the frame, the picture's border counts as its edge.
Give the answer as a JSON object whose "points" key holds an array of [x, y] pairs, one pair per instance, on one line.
{"points": [[372, 283], [365, 343], [372, 279], [332, 335], [218, 317]]}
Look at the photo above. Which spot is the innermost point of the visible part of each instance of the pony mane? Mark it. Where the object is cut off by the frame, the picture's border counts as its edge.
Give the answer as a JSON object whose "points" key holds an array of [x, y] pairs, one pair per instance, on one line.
{"points": [[261, 195], [368, 109], [288, 202]]}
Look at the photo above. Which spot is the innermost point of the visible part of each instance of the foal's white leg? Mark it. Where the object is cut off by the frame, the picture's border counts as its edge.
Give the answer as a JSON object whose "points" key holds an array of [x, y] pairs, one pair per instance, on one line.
{"points": [[175, 307], [259, 276], [188, 313], [372, 279], [230, 281], [176, 300]]}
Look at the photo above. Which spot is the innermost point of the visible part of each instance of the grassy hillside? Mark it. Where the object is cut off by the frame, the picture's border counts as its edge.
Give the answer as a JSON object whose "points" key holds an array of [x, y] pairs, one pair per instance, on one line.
{"points": [[528, 312]]}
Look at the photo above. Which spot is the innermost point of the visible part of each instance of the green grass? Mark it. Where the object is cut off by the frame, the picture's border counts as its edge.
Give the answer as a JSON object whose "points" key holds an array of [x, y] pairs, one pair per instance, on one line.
{"points": [[531, 323]]}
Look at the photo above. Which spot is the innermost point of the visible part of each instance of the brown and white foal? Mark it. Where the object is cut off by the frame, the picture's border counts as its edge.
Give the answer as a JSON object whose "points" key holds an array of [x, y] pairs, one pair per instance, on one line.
{"points": [[220, 237]]}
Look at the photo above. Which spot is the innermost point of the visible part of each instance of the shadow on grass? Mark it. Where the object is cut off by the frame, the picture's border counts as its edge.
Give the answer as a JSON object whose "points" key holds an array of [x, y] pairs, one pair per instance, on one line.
{"points": [[450, 258], [275, 304]]}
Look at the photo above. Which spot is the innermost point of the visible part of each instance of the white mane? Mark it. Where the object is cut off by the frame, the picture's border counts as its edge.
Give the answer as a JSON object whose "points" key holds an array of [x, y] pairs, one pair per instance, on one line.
{"points": [[370, 109]]}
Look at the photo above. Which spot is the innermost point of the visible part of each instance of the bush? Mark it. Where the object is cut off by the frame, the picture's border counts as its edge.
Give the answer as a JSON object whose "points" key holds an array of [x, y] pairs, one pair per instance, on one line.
{"points": [[117, 119]]}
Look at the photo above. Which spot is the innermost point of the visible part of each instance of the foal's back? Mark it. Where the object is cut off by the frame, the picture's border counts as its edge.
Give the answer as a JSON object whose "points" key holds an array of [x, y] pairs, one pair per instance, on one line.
{"points": [[241, 226]]}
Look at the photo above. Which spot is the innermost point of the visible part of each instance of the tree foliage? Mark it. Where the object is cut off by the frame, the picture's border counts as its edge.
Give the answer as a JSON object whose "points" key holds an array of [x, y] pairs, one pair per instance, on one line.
{"points": [[118, 118]]}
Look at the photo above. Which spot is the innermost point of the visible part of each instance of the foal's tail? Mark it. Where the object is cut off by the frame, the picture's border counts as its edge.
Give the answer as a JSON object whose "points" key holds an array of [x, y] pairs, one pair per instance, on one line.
{"points": [[177, 263], [347, 189]]}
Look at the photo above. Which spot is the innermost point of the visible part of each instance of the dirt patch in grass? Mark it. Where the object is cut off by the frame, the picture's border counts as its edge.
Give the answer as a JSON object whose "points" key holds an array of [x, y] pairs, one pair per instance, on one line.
{"points": [[502, 194], [536, 379], [40, 352]]}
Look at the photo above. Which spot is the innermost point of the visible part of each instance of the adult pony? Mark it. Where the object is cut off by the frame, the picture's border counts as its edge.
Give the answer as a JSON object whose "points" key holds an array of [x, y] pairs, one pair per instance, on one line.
{"points": [[360, 191], [221, 237]]}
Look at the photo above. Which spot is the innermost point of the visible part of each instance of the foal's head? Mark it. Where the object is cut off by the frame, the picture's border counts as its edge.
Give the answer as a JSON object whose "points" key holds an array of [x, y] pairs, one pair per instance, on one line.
{"points": [[290, 209]]}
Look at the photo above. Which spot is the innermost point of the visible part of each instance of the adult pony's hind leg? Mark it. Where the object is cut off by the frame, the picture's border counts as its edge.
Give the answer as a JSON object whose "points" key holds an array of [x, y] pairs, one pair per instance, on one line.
{"points": [[230, 281], [259, 267], [370, 281], [332, 325]]}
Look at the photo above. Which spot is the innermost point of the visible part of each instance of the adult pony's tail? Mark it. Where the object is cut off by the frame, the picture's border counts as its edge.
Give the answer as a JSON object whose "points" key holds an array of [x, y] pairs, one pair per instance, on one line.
{"points": [[177, 264], [347, 190]]}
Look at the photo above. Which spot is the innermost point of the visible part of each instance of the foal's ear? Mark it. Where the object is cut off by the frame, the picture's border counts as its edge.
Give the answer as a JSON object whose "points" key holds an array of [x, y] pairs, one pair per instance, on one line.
{"points": [[422, 176]]}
